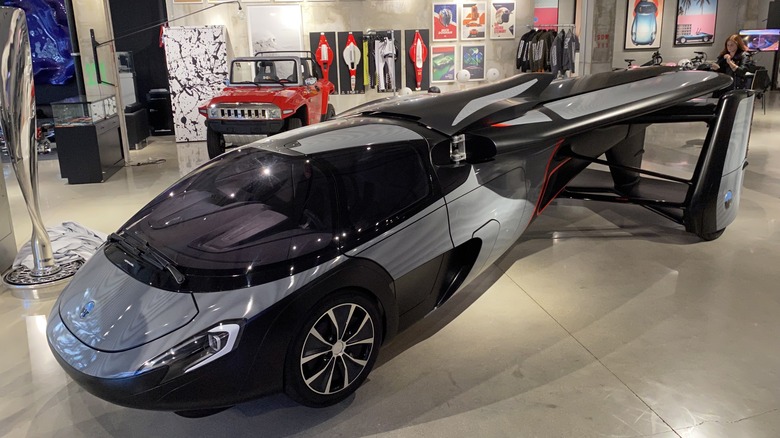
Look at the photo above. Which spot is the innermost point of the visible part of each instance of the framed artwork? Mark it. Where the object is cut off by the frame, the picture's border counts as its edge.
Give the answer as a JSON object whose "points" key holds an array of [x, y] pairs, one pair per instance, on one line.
{"points": [[644, 19], [545, 13], [473, 60], [443, 63], [274, 27], [695, 22], [445, 21], [472, 26], [502, 20]]}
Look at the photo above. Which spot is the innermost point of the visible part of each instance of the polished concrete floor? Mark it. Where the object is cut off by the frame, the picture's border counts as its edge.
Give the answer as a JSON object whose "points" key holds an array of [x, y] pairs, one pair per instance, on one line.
{"points": [[603, 320]]}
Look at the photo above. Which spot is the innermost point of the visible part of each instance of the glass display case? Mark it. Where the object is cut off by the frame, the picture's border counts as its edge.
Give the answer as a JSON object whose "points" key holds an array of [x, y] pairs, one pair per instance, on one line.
{"points": [[77, 111], [89, 143]]}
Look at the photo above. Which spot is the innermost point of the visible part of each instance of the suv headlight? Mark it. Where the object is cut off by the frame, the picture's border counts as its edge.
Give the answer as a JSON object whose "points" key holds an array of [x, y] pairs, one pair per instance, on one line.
{"points": [[196, 351], [275, 113]]}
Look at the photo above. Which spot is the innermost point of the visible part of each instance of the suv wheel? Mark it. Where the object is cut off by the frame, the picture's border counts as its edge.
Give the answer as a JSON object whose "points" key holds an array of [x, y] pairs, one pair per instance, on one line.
{"points": [[215, 142], [293, 123], [330, 114]]}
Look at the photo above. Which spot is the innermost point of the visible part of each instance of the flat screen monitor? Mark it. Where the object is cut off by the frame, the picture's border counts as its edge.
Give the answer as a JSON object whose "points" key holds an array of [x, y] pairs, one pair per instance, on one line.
{"points": [[762, 40]]}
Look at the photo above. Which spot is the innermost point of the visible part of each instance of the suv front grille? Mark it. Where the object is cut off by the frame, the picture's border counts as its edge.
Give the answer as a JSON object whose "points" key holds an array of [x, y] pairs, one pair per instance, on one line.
{"points": [[245, 112]]}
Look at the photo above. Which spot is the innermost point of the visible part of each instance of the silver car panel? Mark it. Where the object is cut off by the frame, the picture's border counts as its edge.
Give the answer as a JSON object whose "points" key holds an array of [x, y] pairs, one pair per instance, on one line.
{"points": [[634, 92], [424, 237], [215, 307], [112, 311]]}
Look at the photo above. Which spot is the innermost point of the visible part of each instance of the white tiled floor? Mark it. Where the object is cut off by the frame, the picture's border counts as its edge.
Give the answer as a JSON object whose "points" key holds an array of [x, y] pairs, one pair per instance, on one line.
{"points": [[604, 320]]}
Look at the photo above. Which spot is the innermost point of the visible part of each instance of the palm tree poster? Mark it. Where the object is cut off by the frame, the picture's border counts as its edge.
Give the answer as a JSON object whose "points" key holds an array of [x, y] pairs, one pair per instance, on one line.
{"points": [[695, 22], [644, 19]]}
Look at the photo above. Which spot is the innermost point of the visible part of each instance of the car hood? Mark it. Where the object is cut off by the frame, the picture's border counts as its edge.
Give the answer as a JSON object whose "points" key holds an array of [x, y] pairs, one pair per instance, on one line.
{"points": [[252, 94], [108, 310]]}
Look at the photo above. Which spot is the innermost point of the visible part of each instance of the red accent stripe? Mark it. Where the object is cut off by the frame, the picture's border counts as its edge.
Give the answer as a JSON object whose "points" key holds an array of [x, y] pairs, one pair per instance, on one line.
{"points": [[548, 173]]}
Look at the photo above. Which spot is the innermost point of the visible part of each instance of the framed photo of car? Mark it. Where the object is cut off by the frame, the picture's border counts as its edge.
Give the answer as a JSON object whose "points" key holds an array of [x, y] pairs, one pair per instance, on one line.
{"points": [[473, 24], [695, 22], [644, 20], [443, 65]]}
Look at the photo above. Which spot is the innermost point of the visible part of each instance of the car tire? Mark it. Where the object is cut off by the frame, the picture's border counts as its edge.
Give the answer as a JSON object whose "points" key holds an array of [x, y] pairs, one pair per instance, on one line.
{"points": [[683, 40], [215, 143], [711, 236], [333, 350], [200, 413], [331, 113], [294, 123]]}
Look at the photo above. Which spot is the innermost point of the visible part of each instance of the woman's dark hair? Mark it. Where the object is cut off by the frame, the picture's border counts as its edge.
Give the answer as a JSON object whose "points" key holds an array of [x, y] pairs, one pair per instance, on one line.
{"points": [[741, 47]]}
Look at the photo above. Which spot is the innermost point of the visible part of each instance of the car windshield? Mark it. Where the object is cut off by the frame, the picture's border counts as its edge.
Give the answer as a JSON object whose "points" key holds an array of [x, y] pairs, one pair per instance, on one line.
{"points": [[251, 208], [648, 8], [264, 71]]}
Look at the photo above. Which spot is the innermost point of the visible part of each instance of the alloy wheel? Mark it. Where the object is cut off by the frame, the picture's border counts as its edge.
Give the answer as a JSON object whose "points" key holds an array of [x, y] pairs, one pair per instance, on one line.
{"points": [[337, 348]]}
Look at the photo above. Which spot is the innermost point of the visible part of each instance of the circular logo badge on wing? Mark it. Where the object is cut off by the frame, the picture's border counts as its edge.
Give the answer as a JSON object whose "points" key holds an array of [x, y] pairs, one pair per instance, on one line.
{"points": [[728, 198]]}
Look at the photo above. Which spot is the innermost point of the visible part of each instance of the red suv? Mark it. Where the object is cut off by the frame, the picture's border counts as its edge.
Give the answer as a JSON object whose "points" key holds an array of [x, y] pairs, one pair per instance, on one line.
{"points": [[266, 94]]}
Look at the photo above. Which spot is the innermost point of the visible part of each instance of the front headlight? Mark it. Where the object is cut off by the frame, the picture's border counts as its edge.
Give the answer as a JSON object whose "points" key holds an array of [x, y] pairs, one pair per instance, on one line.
{"points": [[197, 351], [275, 113], [213, 111]]}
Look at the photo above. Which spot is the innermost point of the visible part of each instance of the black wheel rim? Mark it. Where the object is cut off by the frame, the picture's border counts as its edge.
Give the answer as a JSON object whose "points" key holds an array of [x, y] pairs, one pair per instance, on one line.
{"points": [[337, 349]]}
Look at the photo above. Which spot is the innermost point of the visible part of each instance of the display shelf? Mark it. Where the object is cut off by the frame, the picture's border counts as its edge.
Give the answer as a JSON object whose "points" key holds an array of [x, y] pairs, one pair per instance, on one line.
{"points": [[80, 110]]}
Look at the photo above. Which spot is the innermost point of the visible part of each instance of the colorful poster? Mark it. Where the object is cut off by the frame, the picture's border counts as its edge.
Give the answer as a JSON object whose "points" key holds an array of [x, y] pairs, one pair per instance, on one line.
{"points": [[545, 13], [445, 21], [502, 20], [644, 19], [473, 22], [473, 59], [442, 63], [695, 22]]}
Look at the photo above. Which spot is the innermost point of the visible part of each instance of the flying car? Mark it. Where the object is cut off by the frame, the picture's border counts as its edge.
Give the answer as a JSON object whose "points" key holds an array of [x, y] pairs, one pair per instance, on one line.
{"points": [[284, 265]]}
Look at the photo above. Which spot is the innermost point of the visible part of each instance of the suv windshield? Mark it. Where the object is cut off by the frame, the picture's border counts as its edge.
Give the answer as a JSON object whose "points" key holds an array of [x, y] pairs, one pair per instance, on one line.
{"points": [[264, 71]]}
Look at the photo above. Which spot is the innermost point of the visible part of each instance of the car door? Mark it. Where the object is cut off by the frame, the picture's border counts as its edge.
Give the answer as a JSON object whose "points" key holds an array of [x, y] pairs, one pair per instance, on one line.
{"points": [[391, 212], [315, 90]]}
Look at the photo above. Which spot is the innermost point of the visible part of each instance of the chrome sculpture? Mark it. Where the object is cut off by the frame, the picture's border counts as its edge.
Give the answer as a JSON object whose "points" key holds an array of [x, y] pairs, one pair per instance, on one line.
{"points": [[17, 119]]}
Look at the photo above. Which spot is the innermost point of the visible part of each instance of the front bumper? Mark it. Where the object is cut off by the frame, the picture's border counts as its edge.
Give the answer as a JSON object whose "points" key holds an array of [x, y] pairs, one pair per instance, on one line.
{"points": [[257, 127], [222, 383]]}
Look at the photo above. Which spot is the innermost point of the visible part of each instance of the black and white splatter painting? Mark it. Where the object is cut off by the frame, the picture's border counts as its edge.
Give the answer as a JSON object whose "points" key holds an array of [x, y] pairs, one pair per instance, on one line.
{"points": [[197, 69]]}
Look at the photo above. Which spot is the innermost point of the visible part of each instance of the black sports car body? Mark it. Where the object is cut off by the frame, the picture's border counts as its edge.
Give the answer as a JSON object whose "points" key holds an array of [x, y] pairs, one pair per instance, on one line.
{"points": [[285, 264]]}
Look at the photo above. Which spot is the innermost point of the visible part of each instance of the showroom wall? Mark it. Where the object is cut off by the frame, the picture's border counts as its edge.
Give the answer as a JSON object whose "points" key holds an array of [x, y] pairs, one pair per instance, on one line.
{"points": [[346, 15], [731, 17]]}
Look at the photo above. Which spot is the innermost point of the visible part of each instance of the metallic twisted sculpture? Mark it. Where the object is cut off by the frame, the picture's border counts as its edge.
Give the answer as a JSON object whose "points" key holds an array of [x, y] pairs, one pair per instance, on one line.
{"points": [[17, 119]]}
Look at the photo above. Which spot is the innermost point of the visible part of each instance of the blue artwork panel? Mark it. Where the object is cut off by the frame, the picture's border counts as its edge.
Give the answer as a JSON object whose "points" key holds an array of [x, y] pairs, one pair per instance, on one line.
{"points": [[49, 40]]}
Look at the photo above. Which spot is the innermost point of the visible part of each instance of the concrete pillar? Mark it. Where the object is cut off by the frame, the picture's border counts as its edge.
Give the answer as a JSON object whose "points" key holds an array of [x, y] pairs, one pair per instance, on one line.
{"points": [[598, 35]]}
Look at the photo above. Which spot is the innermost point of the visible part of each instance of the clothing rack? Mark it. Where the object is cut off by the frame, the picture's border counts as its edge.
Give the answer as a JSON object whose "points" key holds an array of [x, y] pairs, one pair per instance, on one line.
{"points": [[531, 26], [374, 69]]}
